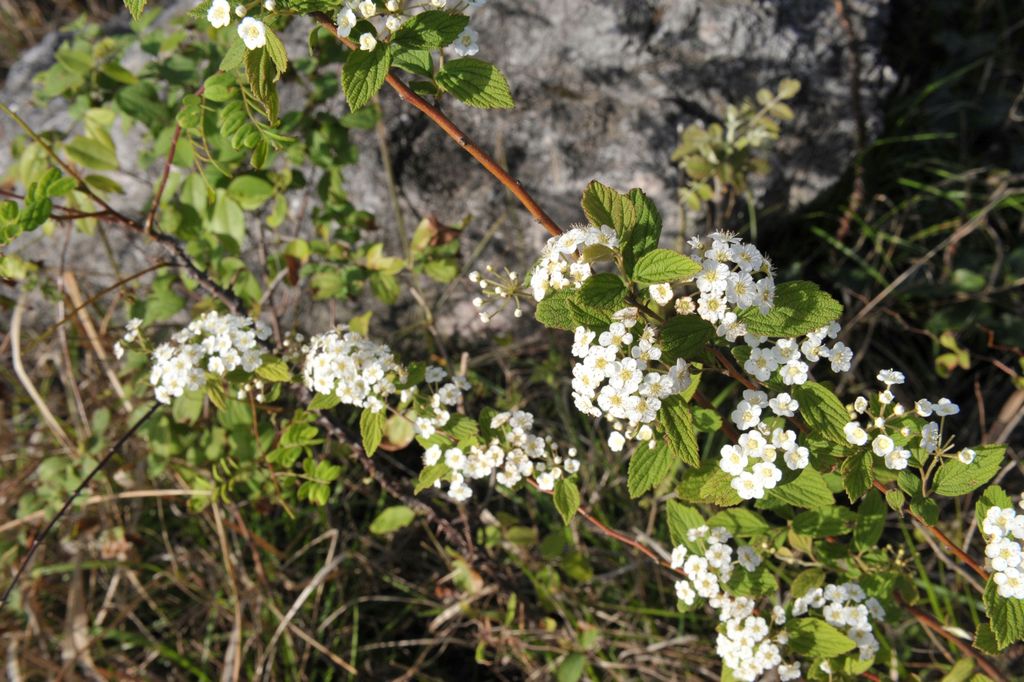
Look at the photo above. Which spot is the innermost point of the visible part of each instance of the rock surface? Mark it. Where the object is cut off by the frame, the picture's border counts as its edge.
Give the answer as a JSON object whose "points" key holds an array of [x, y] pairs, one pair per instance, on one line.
{"points": [[602, 87]]}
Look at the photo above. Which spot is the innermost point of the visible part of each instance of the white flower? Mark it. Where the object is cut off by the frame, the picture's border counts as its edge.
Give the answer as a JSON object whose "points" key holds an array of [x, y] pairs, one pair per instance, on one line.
{"points": [[746, 416], [219, 14], [367, 8], [890, 377], [966, 455], [118, 350], [797, 458], [346, 21], [882, 445], [269, 5], [253, 33], [923, 408], [616, 441], [945, 408], [784, 405], [898, 459], [465, 45], [855, 434], [367, 42], [661, 293], [240, 11]]}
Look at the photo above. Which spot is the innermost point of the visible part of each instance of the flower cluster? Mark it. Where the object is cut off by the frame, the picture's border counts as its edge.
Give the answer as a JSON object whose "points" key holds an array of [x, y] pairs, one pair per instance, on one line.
{"points": [[390, 15], [793, 358], [252, 31], [559, 266], [498, 292], [727, 284], [752, 460], [447, 392], [214, 344], [887, 431], [512, 455], [622, 379], [743, 642], [848, 608], [1004, 529], [346, 364]]}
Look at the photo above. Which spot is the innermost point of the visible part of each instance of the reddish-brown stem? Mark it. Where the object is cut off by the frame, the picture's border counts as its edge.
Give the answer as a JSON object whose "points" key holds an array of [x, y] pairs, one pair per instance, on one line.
{"points": [[928, 621], [731, 369], [943, 538], [454, 132]]}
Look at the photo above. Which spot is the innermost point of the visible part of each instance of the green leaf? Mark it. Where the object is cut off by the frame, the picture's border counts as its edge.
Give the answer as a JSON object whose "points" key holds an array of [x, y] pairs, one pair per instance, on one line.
{"points": [[363, 74], [807, 491], [234, 56], [895, 498], [250, 191], [822, 411], [567, 499], [954, 478], [708, 485], [858, 471], [562, 310], [1006, 616], [800, 307], [815, 637], [278, 55], [806, 581], [684, 336], [926, 508], [604, 206], [430, 30], [740, 522], [646, 231], [135, 8], [870, 521], [756, 583], [418, 62], [274, 369], [92, 153], [648, 467], [371, 429], [392, 519], [476, 83], [431, 475], [681, 518], [571, 669], [662, 265], [820, 523], [604, 291], [324, 401], [677, 424]]}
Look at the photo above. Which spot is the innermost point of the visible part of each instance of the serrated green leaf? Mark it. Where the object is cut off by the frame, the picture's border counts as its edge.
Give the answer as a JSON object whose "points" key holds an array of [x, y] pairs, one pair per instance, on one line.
{"points": [[475, 83], [740, 522], [858, 474], [681, 518], [135, 8], [274, 369], [1006, 616], [430, 30], [418, 62], [822, 411], [870, 521], [820, 523], [648, 467], [815, 637], [756, 583], [234, 56], [954, 478], [604, 291], [277, 53], [567, 499], [363, 74], [684, 336], [604, 206], [324, 401], [562, 310], [676, 422], [371, 429], [663, 265], [807, 491], [806, 581], [926, 508], [895, 498], [392, 519], [646, 232], [431, 475], [800, 307]]}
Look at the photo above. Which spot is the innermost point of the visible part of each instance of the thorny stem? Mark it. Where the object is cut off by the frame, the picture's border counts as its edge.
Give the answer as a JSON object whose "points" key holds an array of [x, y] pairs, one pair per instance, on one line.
{"points": [[454, 132]]}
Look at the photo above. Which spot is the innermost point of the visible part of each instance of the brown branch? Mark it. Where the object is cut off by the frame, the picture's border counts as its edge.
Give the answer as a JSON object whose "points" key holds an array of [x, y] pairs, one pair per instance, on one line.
{"points": [[454, 132], [943, 538], [929, 622]]}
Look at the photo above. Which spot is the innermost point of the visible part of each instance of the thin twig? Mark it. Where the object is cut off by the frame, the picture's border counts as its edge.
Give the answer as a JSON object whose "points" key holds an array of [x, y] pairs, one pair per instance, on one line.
{"points": [[928, 621], [38, 539], [454, 132]]}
